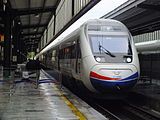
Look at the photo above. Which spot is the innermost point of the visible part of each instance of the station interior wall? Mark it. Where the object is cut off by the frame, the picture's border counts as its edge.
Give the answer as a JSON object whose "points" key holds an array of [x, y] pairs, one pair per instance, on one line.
{"points": [[150, 65], [147, 36], [149, 62]]}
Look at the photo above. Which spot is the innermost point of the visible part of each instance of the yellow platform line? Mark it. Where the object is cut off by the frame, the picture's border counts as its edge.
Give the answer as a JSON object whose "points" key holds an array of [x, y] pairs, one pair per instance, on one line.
{"points": [[80, 115]]}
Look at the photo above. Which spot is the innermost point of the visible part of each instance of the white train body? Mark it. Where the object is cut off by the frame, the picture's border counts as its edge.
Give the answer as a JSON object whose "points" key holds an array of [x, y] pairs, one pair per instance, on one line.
{"points": [[100, 54]]}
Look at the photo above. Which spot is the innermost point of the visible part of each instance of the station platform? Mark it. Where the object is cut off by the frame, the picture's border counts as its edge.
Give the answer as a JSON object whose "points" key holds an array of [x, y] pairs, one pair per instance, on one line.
{"points": [[147, 94], [50, 101]]}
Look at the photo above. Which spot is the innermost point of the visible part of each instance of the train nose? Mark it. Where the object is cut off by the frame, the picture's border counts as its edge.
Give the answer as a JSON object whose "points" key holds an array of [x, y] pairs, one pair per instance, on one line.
{"points": [[106, 79]]}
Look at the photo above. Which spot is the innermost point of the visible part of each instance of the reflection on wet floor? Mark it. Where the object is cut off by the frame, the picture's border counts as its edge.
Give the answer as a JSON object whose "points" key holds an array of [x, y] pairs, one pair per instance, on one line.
{"points": [[26, 102], [22, 100]]}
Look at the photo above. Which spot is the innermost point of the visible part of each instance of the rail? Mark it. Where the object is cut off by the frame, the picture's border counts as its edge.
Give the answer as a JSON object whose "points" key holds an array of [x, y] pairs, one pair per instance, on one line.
{"points": [[107, 113], [142, 113]]}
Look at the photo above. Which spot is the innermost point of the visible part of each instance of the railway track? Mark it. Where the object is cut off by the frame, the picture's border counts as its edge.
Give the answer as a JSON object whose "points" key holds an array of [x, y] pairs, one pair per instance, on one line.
{"points": [[125, 111], [141, 113], [121, 110], [107, 113]]}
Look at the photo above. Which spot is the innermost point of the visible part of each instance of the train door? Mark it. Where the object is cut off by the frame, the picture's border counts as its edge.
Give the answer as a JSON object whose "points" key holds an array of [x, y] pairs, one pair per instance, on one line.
{"points": [[58, 58], [78, 60]]}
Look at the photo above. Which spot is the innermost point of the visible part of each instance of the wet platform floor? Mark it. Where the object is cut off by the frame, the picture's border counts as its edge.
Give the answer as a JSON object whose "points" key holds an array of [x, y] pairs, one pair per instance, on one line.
{"points": [[22, 101]]}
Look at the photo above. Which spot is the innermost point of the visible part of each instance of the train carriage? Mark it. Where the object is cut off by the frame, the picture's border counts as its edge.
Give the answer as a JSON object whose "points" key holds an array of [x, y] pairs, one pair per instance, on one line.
{"points": [[100, 54]]}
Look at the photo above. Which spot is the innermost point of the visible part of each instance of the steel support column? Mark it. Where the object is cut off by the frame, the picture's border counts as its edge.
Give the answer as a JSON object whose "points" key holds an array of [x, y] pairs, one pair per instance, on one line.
{"points": [[21, 56], [7, 44], [19, 51], [16, 40]]}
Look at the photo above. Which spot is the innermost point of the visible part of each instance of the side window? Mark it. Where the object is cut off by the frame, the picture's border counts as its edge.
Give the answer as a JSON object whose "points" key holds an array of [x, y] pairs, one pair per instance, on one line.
{"points": [[45, 59], [50, 55], [61, 53], [73, 51], [53, 58], [78, 49], [68, 52], [78, 56]]}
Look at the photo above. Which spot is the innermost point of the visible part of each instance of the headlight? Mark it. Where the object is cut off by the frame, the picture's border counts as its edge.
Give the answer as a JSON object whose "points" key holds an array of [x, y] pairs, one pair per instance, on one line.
{"points": [[100, 59], [128, 59]]}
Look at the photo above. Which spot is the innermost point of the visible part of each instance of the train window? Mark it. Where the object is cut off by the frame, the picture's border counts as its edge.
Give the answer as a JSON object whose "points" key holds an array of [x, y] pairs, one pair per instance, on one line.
{"points": [[78, 49], [68, 52], [73, 51], [53, 56], [114, 44], [61, 54]]}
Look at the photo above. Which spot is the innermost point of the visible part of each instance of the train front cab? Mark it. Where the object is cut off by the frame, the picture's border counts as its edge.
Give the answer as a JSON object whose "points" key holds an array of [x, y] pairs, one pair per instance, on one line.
{"points": [[116, 63]]}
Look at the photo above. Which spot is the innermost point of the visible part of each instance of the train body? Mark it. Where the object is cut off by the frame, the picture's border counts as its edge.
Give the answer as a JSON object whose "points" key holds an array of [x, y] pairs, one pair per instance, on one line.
{"points": [[100, 54]]}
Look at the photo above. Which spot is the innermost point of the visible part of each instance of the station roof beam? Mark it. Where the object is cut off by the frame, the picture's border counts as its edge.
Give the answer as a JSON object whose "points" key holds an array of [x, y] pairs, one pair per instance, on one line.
{"points": [[33, 26], [29, 38], [149, 7], [35, 11], [31, 34], [33, 16]]}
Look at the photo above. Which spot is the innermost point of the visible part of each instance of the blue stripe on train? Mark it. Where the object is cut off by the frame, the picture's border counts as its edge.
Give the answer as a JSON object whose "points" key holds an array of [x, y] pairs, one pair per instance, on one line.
{"points": [[129, 81], [134, 76]]}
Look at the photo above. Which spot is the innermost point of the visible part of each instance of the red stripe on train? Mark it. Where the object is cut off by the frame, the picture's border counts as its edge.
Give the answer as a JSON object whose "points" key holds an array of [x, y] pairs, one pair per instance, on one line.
{"points": [[95, 75]]}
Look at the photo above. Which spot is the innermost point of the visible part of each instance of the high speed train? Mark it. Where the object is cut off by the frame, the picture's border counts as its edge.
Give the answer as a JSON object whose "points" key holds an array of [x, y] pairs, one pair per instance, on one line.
{"points": [[100, 55]]}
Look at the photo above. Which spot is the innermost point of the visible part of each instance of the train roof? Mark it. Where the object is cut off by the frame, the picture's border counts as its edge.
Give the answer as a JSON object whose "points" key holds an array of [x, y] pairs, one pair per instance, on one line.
{"points": [[103, 21]]}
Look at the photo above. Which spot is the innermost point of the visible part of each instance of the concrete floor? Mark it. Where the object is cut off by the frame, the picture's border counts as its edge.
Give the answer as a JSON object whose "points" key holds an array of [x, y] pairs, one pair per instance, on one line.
{"points": [[22, 101]]}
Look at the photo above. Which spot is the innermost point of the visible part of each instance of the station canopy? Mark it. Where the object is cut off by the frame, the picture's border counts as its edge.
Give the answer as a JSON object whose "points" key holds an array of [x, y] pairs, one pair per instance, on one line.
{"points": [[140, 16], [33, 17]]}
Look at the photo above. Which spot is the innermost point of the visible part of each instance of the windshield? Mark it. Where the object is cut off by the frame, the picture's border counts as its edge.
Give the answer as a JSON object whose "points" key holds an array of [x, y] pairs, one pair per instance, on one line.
{"points": [[113, 44]]}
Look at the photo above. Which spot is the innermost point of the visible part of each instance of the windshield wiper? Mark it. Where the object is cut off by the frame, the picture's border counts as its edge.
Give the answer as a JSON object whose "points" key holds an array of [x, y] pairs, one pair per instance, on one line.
{"points": [[101, 48]]}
